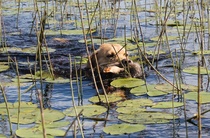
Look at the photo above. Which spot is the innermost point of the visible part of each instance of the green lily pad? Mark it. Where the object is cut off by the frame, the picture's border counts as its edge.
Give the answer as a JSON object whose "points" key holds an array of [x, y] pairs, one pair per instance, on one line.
{"points": [[119, 129], [141, 90], [165, 87], [194, 70], [29, 132], [127, 82], [205, 52], [88, 110], [49, 115], [111, 98], [204, 96], [136, 103], [167, 105], [3, 68], [156, 52], [33, 50], [57, 80], [2, 136], [147, 117], [129, 109], [58, 124], [10, 49], [164, 38], [67, 32], [35, 132]]}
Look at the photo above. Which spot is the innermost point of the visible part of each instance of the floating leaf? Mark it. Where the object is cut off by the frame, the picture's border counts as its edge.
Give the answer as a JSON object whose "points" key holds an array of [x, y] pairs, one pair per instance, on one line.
{"points": [[10, 49], [88, 110], [33, 50], [3, 67], [119, 129], [194, 70], [165, 87], [136, 103], [204, 96], [127, 82], [57, 80], [129, 109], [49, 115], [147, 117], [2, 136], [29, 132], [58, 124], [111, 98], [205, 52], [35, 132], [67, 32], [155, 53], [167, 105], [164, 38], [141, 90]]}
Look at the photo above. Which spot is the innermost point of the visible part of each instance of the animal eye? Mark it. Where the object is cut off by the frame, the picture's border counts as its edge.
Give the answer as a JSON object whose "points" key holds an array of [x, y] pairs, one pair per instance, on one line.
{"points": [[110, 55], [126, 54]]}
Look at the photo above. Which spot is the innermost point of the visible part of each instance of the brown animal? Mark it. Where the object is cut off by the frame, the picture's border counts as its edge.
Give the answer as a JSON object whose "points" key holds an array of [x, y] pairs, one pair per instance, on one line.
{"points": [[113, 58]]}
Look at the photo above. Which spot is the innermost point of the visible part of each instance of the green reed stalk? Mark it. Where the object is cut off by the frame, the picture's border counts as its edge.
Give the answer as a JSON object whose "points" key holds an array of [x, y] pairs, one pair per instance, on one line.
{"points": [[42, 113], [77, 81], [87, 50], [18, 13], [72, 123], [7, 108], [199, 103], [19, 93], [185, 116], [73, 102], [116, 19], [97, 66]]}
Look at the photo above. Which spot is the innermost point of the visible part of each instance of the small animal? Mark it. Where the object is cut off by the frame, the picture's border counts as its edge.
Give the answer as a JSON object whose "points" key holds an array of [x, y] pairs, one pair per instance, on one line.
{"points": [[113, 59]]}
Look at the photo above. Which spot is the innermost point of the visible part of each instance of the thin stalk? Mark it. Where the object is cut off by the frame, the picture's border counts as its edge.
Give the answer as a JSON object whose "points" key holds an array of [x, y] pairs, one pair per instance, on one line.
{"points": [[19, 93], [7, 108], [87, 50], [73, 102], [199, 102], [42, 113], [72, 123]]}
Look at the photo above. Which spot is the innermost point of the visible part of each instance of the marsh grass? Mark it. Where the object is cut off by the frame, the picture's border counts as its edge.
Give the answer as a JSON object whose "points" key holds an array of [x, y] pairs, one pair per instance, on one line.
{"points": [[82, 11]]}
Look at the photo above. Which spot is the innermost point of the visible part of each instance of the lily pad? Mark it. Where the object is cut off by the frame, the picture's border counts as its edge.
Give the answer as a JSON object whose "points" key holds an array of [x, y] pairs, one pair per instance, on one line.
{"points": [[57, 80], [136, 103], [147, 117], [127, 82], [33, 50], [204, 96], [141, 90], [3, 68], [2, 136], [194, 70], [167, 105], [119, 129], [88, 110], [49, 115], [156, 52], [35, 132], [205, 52], [129, 109], [111, 98], [67, 32], [164, 38]]}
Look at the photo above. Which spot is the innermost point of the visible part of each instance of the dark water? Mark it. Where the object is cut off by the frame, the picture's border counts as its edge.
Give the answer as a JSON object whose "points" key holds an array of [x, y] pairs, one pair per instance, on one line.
{"points": [[58, 96]]}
